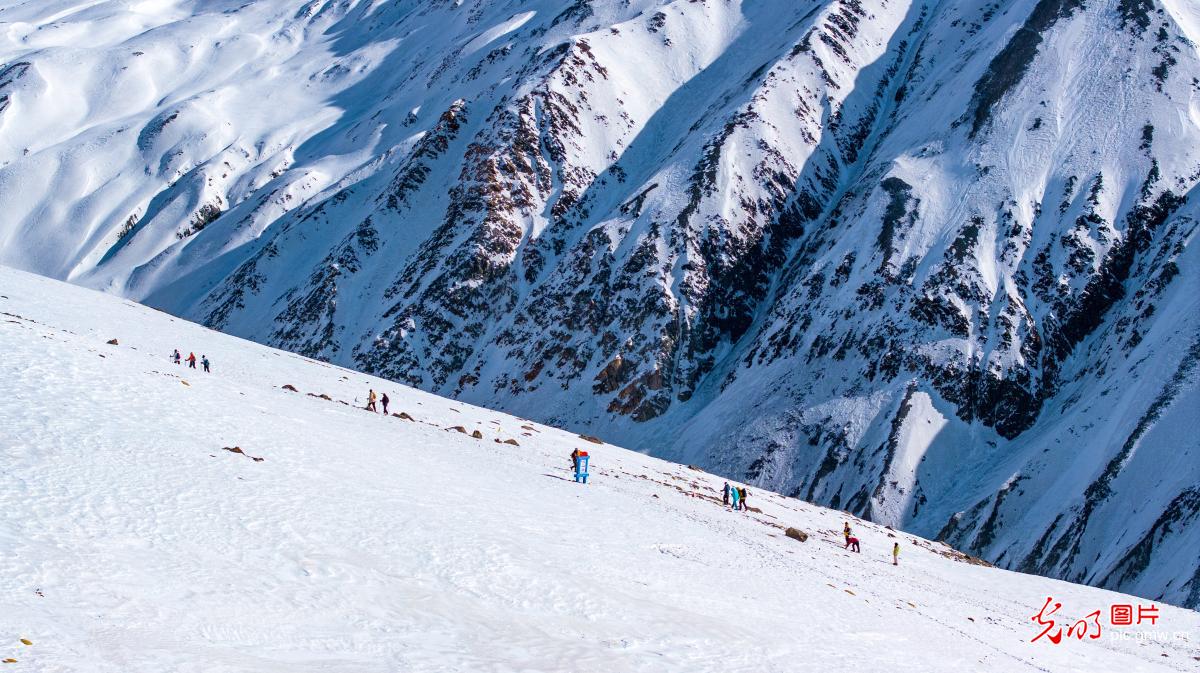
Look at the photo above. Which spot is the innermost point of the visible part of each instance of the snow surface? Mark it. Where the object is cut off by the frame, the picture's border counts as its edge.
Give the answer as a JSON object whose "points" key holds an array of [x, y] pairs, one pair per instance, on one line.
{"points": [[130, 541]]}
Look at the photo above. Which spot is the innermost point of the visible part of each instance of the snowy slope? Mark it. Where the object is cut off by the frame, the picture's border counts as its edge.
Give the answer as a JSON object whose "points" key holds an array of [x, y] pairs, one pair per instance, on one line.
{"points": [[927, 261], [130, 541]]}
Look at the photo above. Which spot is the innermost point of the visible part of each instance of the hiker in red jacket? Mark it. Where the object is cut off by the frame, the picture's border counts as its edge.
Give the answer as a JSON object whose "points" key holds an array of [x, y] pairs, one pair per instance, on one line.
{"points": [[191, 360], [852, 544]]}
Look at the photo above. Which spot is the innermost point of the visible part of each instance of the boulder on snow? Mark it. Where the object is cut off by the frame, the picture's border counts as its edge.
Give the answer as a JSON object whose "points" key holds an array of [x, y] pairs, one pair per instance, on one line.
{"points": [[458, 428], [112, 342], [511, 441], [322, 396], [238, 449], [477, 434], [594, 440], [693, 467], [288, 386], [796, 534], [403, 416]]}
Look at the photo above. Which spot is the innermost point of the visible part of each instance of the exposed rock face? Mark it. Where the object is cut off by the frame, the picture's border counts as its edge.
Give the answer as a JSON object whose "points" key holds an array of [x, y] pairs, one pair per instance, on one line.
{"points": [[927, 262]]}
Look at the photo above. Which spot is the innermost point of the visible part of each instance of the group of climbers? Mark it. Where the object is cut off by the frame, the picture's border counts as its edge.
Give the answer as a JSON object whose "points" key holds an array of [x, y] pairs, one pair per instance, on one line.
{"points": [[734, 496], [372, 398], [851, 541], [737, 493], [191, 360], [853, 545]]}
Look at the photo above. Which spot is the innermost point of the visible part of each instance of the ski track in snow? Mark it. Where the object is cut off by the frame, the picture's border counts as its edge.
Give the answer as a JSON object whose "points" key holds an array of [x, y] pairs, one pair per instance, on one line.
{"points": [[130, 541]]}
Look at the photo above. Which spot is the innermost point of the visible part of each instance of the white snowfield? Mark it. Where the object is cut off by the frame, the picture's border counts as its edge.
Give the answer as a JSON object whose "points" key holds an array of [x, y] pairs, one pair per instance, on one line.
{"points": [[131, 541]]}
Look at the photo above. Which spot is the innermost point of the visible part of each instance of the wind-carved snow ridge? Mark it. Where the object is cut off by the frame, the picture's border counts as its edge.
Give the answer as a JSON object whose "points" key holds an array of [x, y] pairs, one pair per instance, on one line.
{"points": [[928, 262], [257, 518]]}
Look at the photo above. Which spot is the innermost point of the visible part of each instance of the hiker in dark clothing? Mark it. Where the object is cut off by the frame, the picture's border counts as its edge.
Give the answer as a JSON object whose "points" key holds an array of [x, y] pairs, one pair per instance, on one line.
{"points": [[725, 494], [204, 362], [191, 360], [742, 493], [384, 400], [176, 357], [575, 460]]}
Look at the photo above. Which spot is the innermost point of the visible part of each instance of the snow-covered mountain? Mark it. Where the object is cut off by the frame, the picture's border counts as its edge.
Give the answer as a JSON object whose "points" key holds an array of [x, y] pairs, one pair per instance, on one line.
{"points": [[132, 539], [924, 261]]}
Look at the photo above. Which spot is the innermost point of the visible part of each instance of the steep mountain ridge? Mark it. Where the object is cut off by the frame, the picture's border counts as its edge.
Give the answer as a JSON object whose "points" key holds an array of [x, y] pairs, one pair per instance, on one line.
{"points": [[925, 261]]}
